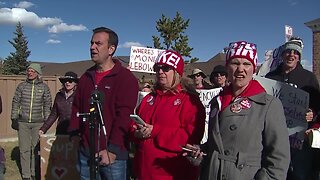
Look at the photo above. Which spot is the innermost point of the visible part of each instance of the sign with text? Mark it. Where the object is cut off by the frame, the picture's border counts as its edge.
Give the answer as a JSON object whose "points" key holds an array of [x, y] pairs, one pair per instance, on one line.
{"points": [[295, 103], [206, 96], [288, 32], [141, 95], [58, 157], [142, 59]]}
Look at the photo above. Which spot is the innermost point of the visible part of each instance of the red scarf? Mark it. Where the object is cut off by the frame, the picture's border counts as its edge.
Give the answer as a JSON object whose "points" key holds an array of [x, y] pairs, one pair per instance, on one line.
{"points": [[252, 89]]}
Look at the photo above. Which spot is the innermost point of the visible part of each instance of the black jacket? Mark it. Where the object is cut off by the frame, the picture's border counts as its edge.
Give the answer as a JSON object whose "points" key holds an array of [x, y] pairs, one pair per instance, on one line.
{"points": [[299, 77], [62, 110], [302, 79]]}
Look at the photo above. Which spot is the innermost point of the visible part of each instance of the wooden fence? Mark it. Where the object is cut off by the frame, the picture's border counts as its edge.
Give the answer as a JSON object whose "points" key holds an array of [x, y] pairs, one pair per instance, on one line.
{"points": [[8, 86]]}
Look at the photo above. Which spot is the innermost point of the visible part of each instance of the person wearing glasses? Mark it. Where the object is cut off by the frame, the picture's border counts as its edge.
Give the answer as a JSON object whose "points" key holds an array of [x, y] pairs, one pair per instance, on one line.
{"points": [[247, 136], [198, 78], [62, 105], [218, 76], [173, 116], [291, 72], [31, 105]]}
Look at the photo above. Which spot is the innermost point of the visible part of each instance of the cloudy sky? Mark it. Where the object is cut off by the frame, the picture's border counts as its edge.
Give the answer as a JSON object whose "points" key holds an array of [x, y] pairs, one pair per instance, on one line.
{"points": [[60, 30]]}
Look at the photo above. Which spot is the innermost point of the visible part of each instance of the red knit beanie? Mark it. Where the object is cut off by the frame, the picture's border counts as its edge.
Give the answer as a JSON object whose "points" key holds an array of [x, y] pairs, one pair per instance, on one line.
{"points": [[172, 59], [242, 49]]}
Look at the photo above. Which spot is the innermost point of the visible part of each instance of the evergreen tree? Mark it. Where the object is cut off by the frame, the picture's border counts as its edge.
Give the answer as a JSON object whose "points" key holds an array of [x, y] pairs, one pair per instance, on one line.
{"points": [[16, 63], [172, 34]]}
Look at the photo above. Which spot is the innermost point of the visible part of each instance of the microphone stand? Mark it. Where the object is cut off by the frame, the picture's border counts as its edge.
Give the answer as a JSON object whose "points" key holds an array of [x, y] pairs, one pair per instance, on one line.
{"points": [[95, 114], [92, 146], [92, 149]]}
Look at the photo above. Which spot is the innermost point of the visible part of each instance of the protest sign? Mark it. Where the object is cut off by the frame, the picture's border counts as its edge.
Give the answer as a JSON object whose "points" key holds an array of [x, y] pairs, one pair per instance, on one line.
{"points": [[141, 95], [288, 32], [206, 96], [295, 103], [58, 157], [142, 59], [314, 138]]}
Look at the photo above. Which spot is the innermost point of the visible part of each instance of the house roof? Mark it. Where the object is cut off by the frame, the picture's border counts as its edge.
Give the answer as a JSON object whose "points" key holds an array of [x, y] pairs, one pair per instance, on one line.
{"points": [[207, 66], [314, 25]]}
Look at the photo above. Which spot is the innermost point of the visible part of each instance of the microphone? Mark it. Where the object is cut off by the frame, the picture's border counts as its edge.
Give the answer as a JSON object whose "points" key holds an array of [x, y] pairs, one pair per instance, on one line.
{"points": [[96, 99], [96, 95]]}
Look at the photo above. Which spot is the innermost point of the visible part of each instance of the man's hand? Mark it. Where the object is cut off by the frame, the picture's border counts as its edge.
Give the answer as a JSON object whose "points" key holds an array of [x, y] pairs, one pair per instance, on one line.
{"points": [[40, 132], [309, 115], [107, 157]]}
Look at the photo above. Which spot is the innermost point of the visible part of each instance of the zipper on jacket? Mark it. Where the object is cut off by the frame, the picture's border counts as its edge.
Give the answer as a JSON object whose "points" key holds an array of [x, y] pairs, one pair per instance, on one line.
{"points": [[31, 102]]}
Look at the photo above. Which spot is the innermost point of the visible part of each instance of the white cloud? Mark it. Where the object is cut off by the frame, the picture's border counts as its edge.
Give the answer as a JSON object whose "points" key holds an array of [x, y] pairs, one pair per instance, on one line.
{"points": [[306, 64], [2, 3], [63, 27], [129, 44], [24, 4], [31, 19], [292, 2], [26, 18], [53, 41]]}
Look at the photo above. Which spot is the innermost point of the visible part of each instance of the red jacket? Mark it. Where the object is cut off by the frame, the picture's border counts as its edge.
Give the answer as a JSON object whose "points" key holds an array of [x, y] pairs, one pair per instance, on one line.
{"points": [[119, 91], [177, 119]]}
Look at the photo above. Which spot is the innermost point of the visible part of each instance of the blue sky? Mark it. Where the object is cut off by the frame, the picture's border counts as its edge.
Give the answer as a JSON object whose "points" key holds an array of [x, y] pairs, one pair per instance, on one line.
{"points": [[60, 30]]}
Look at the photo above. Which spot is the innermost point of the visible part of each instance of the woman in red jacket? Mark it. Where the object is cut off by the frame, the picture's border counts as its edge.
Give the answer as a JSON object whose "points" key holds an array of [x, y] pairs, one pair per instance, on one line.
{"points": [[174, 116]]}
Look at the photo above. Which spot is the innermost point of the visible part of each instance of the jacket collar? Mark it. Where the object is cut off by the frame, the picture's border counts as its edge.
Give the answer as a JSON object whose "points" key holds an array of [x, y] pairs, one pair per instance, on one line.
{"points": [[259, 98], [297, 68], [177, 90], [36, 81], [115, 70]]}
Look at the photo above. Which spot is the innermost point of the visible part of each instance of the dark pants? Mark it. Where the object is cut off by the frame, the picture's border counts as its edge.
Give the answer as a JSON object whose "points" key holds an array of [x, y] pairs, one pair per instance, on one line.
{"points": [[304, 163], [2, 171]]}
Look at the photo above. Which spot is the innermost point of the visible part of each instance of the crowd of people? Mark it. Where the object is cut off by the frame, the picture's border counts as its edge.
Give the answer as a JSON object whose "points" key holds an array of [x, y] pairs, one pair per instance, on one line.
{"points": [[247, 132]]}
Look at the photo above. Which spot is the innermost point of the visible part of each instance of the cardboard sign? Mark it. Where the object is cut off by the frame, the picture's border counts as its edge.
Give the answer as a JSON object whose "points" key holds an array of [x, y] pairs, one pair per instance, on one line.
{"points": [[141, 95], [314, 138], [295, 103], [142, 59], [272, 61], [288, 32], [58, 157], [206, 96]]}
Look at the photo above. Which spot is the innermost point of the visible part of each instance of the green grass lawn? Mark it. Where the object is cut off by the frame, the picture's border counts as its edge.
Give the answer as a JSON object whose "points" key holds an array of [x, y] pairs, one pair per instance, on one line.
{"points": [[12, 160]]}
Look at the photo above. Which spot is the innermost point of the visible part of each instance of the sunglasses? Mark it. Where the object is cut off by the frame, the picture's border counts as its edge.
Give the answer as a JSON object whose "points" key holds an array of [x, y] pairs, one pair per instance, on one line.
{"points": [[245, 45], [289, 51], [164, 68], [218, 74], [197, 75], [68, 81]]}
